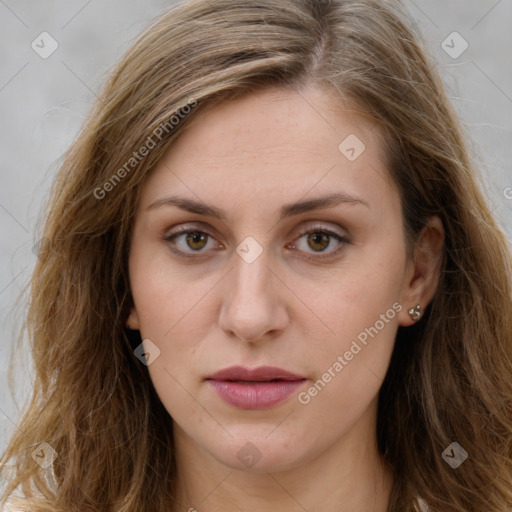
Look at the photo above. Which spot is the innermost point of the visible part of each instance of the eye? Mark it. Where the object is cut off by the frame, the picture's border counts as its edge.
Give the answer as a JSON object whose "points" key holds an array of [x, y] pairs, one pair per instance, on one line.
{"points": [[318, 240], [187, 241]]}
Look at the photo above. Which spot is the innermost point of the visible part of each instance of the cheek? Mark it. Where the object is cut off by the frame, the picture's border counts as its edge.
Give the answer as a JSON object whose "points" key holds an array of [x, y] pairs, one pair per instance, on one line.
{"points": [[350, 365], [164, 295], [360, 308], [357, 294], [173, 313], [168, 307]]}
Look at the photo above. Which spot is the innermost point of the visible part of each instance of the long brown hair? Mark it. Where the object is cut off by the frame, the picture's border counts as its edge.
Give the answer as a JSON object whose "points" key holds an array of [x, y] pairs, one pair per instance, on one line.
{"points": [[450, 377]]}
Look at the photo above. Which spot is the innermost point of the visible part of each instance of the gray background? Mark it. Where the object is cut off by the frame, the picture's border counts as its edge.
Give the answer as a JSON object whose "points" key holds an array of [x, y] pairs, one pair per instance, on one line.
{"points": [[43, 103]]}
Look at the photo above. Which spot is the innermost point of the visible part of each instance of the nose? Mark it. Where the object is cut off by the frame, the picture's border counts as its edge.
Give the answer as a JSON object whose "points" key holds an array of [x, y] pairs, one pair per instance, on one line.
{"points": [[254, 305]]}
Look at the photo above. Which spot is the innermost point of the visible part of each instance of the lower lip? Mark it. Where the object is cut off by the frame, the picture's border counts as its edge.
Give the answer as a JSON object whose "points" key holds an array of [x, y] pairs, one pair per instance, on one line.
{"points": [[255, 395]]}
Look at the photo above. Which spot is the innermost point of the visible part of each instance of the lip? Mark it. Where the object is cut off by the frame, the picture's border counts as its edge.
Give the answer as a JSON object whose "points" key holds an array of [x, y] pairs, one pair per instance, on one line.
{"points": [[258, 388]]}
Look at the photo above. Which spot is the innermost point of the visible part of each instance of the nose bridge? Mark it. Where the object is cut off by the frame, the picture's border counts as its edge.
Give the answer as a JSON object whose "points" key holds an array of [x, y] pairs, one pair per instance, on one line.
{"points": [[251, 276], [251, 307]]}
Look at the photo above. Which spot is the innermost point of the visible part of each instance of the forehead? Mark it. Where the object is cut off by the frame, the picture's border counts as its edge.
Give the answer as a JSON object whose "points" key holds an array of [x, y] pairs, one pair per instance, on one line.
{"points": [[274, 146]]}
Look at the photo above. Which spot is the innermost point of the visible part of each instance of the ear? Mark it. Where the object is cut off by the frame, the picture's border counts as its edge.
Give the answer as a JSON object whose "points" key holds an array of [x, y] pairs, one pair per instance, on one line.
{"points": [[132, 322], [422, 275]]}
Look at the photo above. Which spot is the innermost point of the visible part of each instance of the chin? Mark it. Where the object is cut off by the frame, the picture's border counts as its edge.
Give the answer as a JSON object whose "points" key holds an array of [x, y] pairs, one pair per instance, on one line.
{"points": [[260, 452]]}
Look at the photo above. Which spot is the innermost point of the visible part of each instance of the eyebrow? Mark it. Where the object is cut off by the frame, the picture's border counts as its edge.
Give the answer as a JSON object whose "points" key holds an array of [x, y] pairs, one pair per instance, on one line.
{"points": [[286, 211]]}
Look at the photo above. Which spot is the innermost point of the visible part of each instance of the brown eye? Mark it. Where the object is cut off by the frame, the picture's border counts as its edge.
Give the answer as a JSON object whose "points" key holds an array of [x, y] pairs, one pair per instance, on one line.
{"points": [[196, 240], [319, 241], [186, 241]]}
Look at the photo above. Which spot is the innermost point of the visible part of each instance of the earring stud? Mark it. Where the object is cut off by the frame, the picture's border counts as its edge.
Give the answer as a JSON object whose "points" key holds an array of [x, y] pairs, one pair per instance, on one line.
{"points": [[415, 313]]}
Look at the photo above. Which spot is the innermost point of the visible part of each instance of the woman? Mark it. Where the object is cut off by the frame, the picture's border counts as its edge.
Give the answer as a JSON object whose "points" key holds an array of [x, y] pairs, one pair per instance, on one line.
{"points": [[268, 280]]}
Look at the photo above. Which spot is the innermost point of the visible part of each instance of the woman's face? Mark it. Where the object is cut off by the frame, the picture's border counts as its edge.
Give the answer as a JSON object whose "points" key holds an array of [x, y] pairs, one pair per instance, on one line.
{"points": [[270, 235]]}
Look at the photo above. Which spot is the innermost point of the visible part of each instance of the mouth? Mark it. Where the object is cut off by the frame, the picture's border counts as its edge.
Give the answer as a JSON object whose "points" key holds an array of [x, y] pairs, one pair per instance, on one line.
{"points": [[259, 388]]}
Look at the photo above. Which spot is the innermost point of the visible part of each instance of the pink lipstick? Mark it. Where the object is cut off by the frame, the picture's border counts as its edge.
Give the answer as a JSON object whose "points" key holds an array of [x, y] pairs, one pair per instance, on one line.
{"points": [[259, 388]]}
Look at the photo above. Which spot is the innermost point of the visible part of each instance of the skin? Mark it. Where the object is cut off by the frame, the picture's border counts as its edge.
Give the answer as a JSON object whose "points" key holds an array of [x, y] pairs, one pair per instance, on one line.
{"points": [[289, 308]]}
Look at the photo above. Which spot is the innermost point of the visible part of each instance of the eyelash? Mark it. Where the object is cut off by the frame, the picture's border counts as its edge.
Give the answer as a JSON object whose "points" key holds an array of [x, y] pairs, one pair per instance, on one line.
{"points": [[184, 230]]}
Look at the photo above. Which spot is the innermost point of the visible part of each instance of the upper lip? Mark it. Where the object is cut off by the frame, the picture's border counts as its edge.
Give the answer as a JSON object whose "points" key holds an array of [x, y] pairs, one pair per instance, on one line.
{"points": [[261, 374]]}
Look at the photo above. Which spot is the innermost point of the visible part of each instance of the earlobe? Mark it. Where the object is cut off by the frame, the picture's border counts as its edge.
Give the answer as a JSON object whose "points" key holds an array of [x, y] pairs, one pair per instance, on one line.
{"points": [[132, 322], [425, 272]]}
